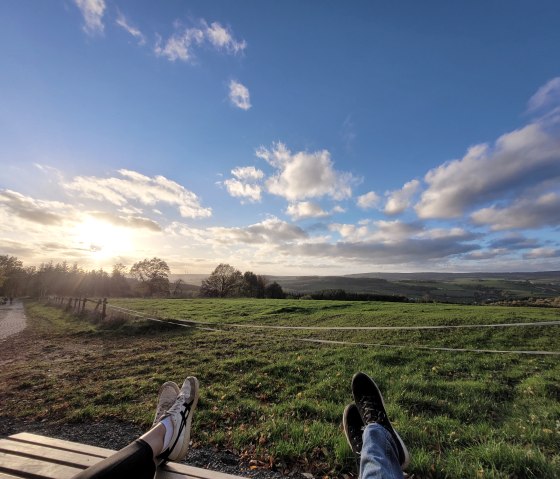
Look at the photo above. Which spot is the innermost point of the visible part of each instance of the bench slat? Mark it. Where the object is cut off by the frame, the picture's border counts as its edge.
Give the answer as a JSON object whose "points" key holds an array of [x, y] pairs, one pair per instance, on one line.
{"points": [[34, 468], [69, 454], [62, 444], [43, 453]]}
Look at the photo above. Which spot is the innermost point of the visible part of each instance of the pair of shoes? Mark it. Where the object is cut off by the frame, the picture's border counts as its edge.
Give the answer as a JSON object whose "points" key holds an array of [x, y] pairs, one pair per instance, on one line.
{"points": [[178, 405], [368, 408]]}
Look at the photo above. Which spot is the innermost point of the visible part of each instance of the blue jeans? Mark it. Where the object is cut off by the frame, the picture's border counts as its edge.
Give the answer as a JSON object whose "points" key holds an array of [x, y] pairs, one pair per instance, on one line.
{"points": [[380, 457]]}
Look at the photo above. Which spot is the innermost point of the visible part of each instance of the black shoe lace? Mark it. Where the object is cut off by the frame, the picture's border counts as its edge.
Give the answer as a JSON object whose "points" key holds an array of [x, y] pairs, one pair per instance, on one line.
{"points": [[371, 412]]}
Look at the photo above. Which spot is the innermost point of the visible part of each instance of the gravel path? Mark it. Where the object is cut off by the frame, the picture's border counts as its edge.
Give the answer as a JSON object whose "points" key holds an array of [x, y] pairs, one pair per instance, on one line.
{"points": [[12, 319]]}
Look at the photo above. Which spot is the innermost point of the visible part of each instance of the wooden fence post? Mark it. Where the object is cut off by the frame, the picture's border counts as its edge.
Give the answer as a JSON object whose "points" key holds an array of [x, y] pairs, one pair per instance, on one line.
{"points": [[104, 310], [84, 305]]}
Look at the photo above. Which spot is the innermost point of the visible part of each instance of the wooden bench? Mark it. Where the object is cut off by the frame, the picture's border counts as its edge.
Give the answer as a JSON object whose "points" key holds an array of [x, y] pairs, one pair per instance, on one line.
{"points": [[31, 456]]}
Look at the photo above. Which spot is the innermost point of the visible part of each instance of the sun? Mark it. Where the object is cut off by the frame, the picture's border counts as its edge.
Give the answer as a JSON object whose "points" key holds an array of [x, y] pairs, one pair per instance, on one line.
{"points": [[102, 239]]}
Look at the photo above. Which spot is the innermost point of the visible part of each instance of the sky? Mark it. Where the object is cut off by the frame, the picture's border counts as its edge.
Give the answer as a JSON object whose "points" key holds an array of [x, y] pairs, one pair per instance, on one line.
{"points": [[285, 138]]}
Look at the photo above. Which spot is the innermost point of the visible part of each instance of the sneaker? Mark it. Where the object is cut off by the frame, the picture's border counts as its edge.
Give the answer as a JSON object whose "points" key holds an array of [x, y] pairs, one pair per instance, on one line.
{"points": [[167, 395], [353, 427], [181, 414], [371, 407]]}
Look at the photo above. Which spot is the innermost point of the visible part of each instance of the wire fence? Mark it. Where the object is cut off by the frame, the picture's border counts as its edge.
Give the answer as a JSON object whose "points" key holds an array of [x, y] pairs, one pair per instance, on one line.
{"points": [[101, 309]]}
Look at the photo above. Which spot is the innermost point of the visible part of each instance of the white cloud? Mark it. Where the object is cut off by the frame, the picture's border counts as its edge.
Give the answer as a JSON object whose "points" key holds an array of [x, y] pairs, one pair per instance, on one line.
{"points": [[92, 11], [247, 173], [546, 96], [222, 38], [305, 209], [134, 186], [245, 184], [400, 200], [241, 189], [239, 95], [368, 201], [122, 22], [181, 45], [304, 175], [36, 211], [526, 212], [519, 160], [272, 230]]}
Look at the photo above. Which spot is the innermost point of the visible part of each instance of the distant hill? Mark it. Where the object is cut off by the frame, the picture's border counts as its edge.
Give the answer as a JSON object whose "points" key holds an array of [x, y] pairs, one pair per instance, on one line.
{"points": [[427, 286]]}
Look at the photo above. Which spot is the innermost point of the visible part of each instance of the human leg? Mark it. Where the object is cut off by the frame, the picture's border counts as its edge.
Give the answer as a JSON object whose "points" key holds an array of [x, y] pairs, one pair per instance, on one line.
{"points": [[370, 434], [167, 440]]}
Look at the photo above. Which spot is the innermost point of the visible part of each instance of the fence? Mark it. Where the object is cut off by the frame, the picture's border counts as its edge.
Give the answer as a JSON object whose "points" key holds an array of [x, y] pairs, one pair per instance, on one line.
{"points": [[95, 307]]}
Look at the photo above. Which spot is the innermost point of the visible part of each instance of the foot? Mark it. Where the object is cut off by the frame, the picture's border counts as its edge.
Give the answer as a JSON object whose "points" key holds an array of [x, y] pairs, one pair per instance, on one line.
{"points": [[168, 393], [353, 427], [371, 407], [180, 415]]}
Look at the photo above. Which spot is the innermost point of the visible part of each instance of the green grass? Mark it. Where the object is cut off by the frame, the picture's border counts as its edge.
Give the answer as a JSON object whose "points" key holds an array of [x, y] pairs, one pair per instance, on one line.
{"points": [[279, 401]]}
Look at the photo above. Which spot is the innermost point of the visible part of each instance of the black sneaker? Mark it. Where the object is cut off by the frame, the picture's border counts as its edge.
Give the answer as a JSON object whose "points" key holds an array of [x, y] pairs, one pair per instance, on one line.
{"points": [[371, 407], [353, 428]]}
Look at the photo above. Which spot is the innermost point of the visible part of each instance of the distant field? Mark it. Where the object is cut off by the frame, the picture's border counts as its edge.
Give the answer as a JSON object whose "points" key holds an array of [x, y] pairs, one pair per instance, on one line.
{"points": [[279, 401]]}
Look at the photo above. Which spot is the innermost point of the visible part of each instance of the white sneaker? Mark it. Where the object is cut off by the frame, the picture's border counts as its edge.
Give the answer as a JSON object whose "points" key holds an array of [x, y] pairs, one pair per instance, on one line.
{"points": [[167, 396], [181, 414]]}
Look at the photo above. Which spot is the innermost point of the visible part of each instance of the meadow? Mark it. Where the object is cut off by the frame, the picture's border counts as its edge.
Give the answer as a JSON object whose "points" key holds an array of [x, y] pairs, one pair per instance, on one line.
{"points": [[277, 401]]}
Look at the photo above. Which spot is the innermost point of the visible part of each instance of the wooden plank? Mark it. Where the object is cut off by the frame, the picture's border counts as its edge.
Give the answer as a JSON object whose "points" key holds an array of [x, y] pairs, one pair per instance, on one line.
{"points": [[197, 472], [48, 454], [62, 444], [34, 468], [8, 476], [76, 454]]}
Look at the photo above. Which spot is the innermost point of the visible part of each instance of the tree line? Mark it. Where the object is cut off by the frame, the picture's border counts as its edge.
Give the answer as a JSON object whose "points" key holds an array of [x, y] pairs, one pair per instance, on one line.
{"points": [[145, 278]]}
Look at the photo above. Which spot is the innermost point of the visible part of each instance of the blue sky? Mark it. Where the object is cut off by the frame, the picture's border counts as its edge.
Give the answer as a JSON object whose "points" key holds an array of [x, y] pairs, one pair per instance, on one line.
{"points": [[282, 137]]}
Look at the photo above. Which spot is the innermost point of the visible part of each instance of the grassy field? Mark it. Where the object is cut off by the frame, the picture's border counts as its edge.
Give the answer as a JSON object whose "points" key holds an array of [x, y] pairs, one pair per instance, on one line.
{"points": [[278, 401]]}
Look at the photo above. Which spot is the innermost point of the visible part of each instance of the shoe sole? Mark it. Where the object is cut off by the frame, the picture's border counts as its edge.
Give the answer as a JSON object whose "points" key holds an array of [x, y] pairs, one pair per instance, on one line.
{"points": [[187, 438], [175, 387], [345, 426], [406, 461]]}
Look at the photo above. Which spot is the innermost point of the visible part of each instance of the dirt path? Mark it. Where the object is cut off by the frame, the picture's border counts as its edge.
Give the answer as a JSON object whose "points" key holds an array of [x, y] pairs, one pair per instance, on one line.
{"points": [[12, 319]]}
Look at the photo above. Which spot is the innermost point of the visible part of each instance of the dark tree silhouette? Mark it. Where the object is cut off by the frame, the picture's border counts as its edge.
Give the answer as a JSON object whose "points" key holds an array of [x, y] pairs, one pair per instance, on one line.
{"points": [[224, 281]]}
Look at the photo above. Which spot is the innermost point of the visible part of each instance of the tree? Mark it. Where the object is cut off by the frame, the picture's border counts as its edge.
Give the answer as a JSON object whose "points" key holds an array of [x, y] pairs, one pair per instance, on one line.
{"points": [[11, 275], [153, 274], [253, 285], [274, 291], [224, 281], [119, 284]]}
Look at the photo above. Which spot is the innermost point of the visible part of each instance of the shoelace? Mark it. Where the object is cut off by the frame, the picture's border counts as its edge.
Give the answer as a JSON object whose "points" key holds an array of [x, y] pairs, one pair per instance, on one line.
{"points": [[371, 412], [184, 415]]}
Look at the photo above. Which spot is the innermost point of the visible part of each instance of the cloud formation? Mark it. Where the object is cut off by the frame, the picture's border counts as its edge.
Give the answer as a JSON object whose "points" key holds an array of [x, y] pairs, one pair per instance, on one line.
{"points": [[304, 175], [400, 200], [305, 209], [519, 160], [181, 44], [368, 201], [546, 96], [134, 186], [524, 213], [30, 209], [122, 22], [270, 231], [245, 183], [239, 95], [92, 11]]}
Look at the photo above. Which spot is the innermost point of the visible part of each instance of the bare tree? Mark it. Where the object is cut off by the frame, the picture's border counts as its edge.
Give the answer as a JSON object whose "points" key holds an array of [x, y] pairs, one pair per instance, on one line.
{"points": [[224, 281]]}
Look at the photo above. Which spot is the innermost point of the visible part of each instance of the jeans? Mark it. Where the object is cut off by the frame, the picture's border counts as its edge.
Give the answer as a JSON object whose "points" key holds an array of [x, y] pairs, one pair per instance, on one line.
{"points": [[135, 461], [380, 457]]}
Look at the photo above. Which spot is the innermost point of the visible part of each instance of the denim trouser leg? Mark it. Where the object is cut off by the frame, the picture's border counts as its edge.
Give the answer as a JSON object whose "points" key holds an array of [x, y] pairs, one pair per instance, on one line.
{"points": [[379, 458]]}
